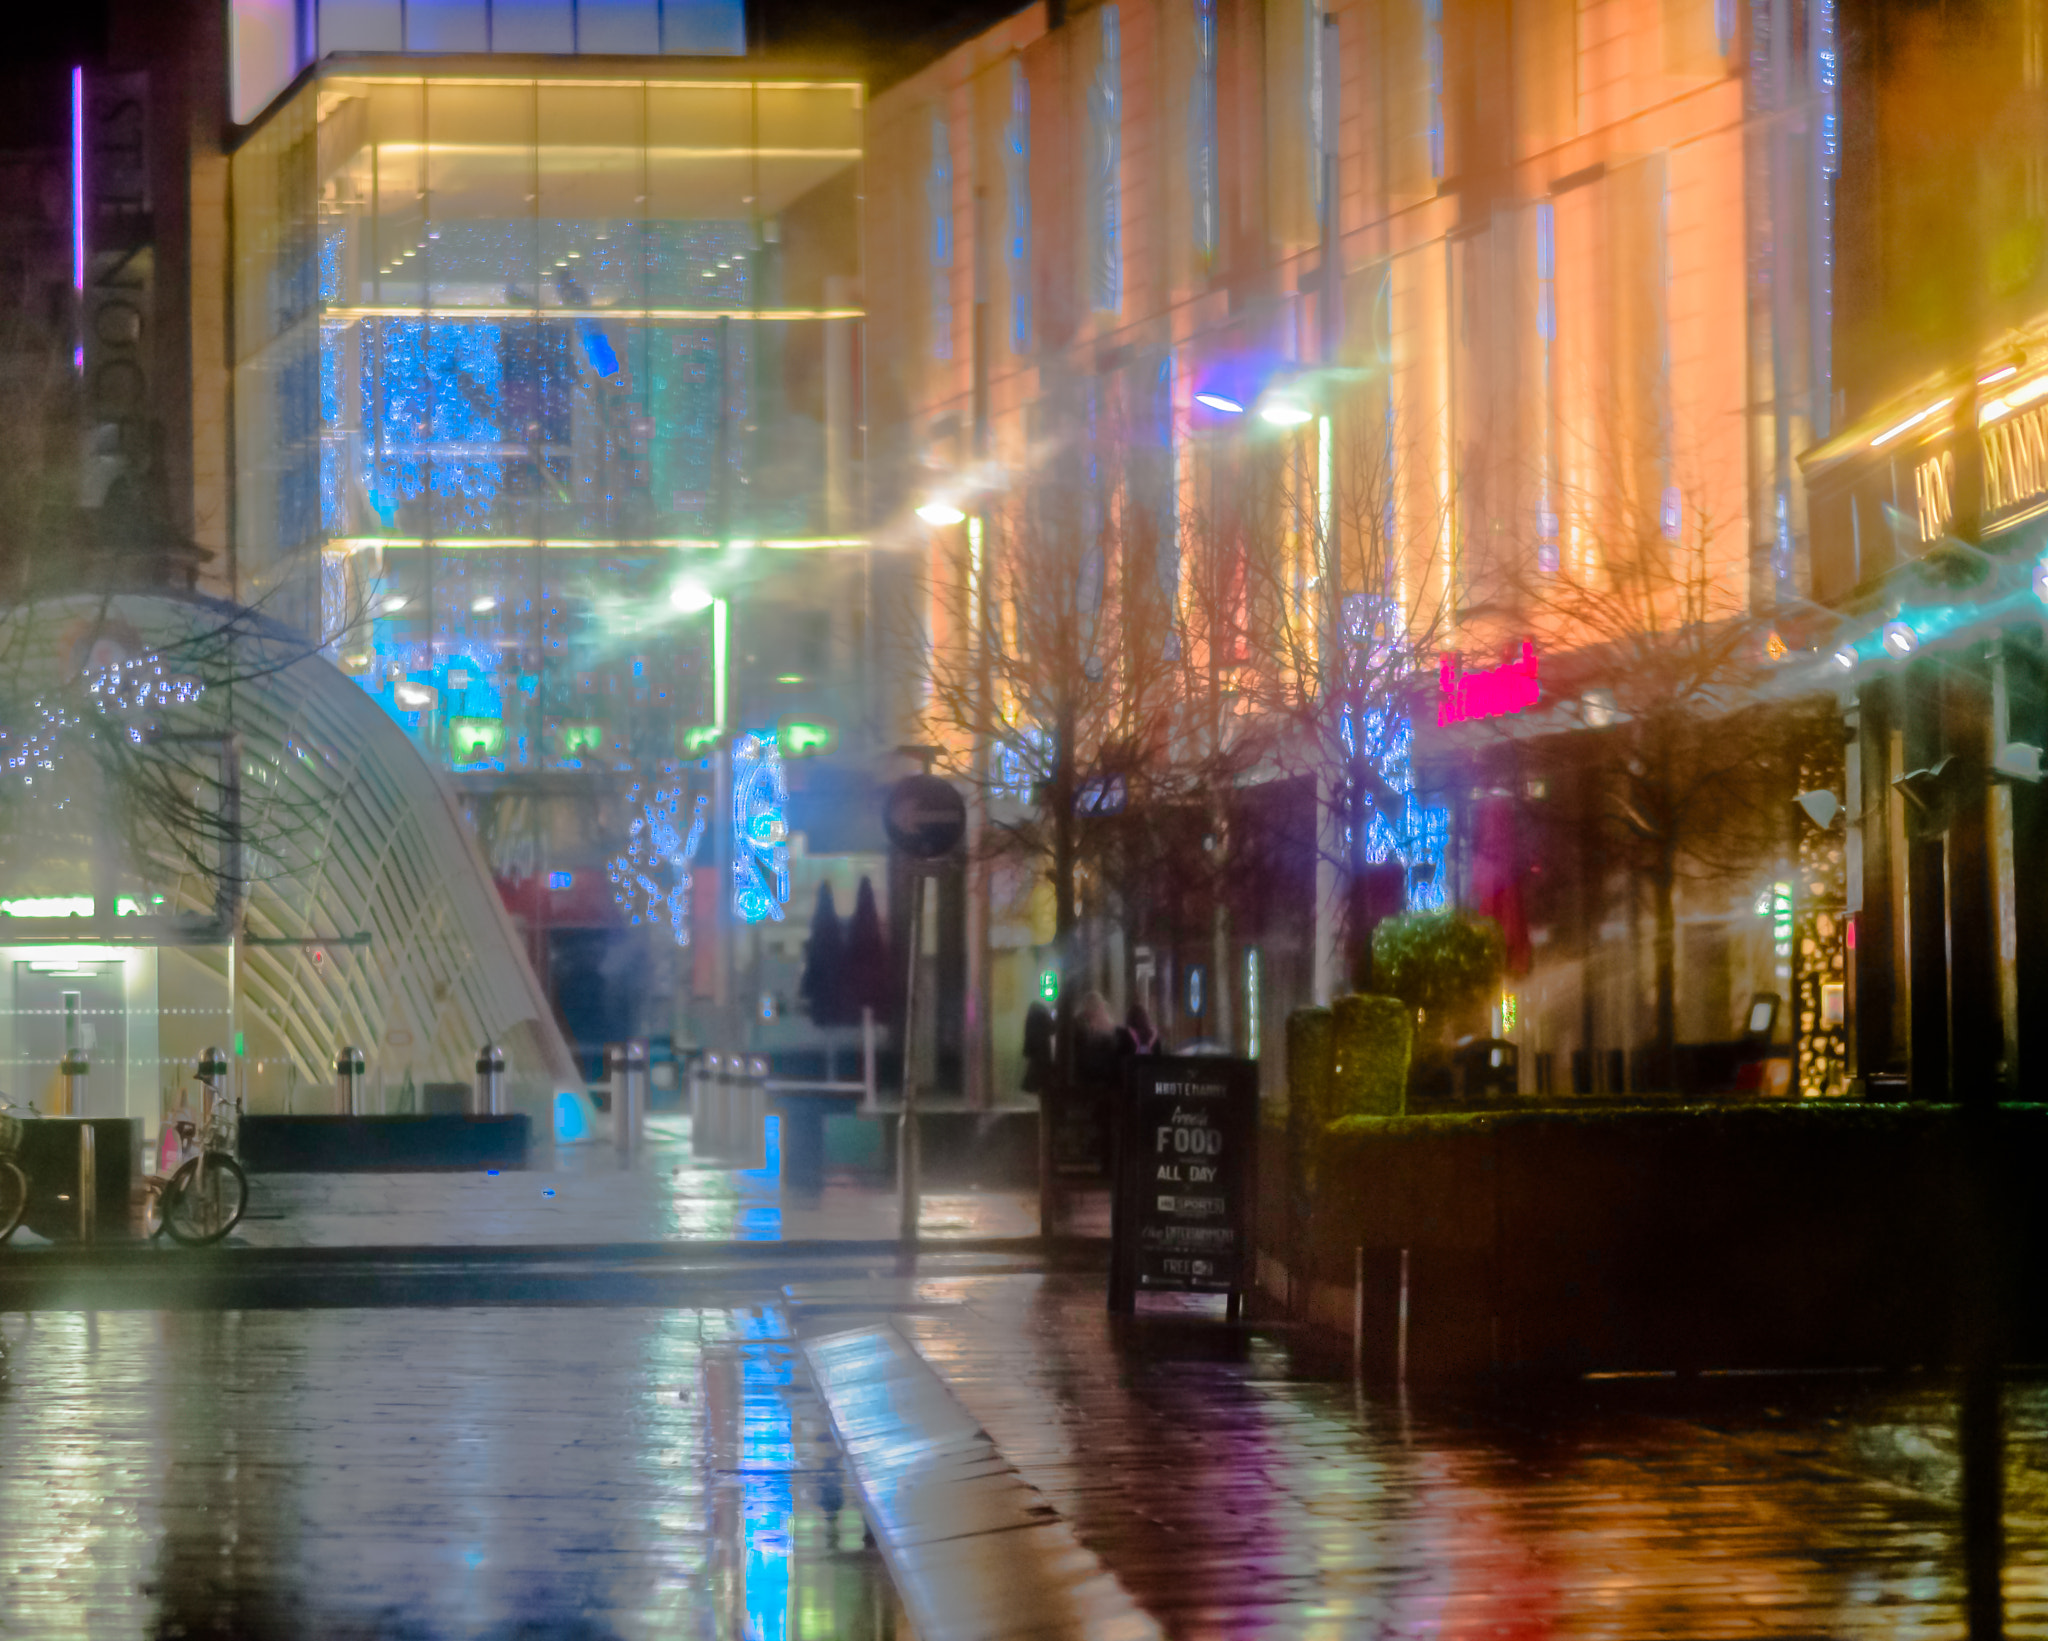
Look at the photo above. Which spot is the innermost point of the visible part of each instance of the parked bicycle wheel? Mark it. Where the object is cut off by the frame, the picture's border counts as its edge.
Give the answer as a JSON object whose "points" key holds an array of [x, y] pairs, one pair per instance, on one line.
{"points": [[13, 1198], [205, 1199]]}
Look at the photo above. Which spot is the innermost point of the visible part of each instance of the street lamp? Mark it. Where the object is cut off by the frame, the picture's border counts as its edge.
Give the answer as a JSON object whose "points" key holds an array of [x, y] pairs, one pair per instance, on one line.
{"points": [[939, 512], [1219, 402], [1280, 410]]}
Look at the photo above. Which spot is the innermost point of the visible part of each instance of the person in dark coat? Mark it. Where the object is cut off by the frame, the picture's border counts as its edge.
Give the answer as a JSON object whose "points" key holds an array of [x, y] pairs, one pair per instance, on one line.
{"points": [[1136, 1035], [1038, 1037]]}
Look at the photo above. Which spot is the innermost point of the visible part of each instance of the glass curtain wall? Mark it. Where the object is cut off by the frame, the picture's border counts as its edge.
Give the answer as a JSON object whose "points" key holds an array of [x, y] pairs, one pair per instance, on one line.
{"points": [[514, 355]]}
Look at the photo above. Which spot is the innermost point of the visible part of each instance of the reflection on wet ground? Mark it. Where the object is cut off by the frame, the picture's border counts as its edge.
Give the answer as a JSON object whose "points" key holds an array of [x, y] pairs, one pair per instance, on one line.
{"points": [[423, 1474], [585, 1194], [1234, 1496]]}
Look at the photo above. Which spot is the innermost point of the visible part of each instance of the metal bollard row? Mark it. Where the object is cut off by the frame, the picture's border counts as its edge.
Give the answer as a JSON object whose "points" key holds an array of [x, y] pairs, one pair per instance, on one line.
{"points": [[488, 1097], [729, 1110], [627, 1063], [350, 1100]]}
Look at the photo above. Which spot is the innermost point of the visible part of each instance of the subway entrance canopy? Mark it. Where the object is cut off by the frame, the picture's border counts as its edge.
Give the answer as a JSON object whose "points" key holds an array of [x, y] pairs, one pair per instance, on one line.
{"points": [[212, 836]]}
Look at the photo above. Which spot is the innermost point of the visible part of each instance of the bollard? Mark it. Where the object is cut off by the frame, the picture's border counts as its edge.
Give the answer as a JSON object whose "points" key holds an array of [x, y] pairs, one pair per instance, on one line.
{"points": [[348, 1082], [88, 1184], [628, 1063], [703, 1110], [753, 1134], [488, 1097], [73, 1068], [717, 1101]]}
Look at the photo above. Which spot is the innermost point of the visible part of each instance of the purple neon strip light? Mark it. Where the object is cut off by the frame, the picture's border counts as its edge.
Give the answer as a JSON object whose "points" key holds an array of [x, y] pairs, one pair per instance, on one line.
{"points": [[78, 179]]}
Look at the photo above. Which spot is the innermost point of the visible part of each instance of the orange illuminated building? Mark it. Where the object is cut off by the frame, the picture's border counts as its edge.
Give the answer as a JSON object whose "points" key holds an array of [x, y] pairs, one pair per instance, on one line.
{"points": [[1538, 282]]}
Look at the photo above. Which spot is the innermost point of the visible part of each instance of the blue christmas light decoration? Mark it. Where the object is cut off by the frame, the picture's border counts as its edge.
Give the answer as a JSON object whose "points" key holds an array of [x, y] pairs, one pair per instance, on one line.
{"points": [[652, 876], [760, 830], [1419, 834]]}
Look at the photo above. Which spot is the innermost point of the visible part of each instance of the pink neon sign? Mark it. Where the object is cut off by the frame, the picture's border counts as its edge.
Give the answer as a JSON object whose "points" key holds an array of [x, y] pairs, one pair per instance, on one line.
{"points": [[1493, 693]]}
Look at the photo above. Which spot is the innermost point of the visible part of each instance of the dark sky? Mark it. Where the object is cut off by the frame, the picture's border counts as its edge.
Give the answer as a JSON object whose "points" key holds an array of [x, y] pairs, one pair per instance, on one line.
{"points": [[44, 39], [884, 39], [887, 39]]}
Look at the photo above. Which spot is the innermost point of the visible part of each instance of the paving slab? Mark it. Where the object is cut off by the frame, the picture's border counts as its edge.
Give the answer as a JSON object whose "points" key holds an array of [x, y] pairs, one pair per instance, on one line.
{"points": [[976, 1553], [1234, 1492]]}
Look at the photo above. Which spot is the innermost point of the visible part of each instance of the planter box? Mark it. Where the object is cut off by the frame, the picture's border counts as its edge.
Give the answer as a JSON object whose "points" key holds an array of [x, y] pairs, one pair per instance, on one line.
{"points": [[383, 1145], [1565, 1242], [49, 1157]]}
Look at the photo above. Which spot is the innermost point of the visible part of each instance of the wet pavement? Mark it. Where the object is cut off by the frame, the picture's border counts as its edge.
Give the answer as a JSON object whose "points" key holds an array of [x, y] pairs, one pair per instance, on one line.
{"points": [[1231, 1495], [420, 1475], [586, 1194], [545, 1436]]}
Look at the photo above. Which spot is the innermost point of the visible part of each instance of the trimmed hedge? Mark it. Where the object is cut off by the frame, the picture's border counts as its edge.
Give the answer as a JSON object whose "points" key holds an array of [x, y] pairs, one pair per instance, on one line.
{"points": [[1796, 1234], [1310, 1060], [1373, 1039]]}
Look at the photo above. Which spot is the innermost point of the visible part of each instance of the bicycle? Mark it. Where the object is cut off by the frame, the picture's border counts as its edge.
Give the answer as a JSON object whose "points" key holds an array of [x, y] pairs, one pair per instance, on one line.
{"points": [[13, 1182], [203, 1199]]}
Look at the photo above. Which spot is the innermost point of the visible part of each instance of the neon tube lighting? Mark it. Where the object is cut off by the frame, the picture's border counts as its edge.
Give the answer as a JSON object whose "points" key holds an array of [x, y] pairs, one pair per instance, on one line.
{"points": [[78, 179], [2012, 399], [1998, 375], [487, 544], [538, 312], [1913, 420], [662, 151]]}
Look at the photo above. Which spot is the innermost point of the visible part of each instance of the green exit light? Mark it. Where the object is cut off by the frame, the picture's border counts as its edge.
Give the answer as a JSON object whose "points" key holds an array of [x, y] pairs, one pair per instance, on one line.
{"points": [[472, 738], [805, 739], [1049, 985], [701, 739], [238, 1044]]}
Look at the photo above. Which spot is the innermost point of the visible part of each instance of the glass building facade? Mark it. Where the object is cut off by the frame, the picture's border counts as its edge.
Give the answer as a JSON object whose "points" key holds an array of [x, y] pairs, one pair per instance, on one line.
{"points": [[517, 355], [546, 422]]}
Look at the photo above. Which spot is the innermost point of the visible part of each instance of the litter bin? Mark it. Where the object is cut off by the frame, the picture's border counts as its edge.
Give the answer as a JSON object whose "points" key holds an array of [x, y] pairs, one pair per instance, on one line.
{"points": [[1487, 1068]]}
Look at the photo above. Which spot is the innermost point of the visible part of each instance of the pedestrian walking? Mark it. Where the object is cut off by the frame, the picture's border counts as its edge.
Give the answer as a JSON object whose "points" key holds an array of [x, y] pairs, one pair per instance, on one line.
{"points": [[1038, 1041]]}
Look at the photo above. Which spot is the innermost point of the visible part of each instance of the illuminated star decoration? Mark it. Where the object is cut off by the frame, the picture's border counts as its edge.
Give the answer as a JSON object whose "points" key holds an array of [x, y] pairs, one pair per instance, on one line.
{"points": [[655, 849], [760, 830]]}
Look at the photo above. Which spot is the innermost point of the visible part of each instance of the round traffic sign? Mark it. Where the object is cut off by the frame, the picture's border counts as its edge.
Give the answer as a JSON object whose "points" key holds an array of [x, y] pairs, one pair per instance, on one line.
{"points": [[924, 817]]}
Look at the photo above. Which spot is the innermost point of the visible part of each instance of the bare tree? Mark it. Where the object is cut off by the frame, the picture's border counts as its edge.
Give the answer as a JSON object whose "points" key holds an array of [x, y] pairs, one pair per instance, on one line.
{"points": [[1698, 753], [1330, 547], [1049, 646]]}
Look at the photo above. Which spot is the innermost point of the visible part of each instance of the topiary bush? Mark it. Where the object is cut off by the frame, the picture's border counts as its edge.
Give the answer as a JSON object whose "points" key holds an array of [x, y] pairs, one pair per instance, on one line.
{"points": [[1438, 962], [1372, 1039]]}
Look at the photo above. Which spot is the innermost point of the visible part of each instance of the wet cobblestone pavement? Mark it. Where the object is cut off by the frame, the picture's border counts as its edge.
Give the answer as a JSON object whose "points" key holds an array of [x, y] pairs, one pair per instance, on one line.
{"points": [[1233, 1498], [623, 1471], [422, 1475]]}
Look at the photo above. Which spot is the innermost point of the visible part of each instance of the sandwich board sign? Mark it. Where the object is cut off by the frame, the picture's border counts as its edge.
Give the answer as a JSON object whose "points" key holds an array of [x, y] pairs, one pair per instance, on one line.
{"points": [[1185, 1176]]}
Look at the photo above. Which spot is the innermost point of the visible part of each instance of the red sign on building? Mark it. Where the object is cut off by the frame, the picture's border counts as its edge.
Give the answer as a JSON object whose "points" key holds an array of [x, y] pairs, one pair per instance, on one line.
{"points": [[1492, 693]]}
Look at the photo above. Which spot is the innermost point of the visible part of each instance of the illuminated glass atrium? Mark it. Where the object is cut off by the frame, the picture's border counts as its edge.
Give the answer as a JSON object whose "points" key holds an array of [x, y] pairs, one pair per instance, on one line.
{"points": [[532, 354]]}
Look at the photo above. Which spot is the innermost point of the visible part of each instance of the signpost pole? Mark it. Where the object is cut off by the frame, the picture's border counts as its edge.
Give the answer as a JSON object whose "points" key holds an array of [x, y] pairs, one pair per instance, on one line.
{"points": [[926, 819], [907, 1157]]}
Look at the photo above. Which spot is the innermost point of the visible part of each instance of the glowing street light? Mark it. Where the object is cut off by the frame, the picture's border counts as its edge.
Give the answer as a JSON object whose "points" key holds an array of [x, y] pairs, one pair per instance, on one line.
{"points": [[689, 596], [1220, 402], [1845, 657], [1900, 640], [1284, 412], [940, 513]]}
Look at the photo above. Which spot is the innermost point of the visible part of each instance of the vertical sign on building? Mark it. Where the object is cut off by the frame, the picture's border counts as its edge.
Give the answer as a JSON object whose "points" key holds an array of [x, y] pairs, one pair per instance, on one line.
{"points": [[119, 278]]}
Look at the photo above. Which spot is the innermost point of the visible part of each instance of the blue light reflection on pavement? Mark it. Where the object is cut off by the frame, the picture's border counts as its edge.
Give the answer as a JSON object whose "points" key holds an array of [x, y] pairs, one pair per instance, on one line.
{"points": [[759, 1215], [767, 1455]]}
